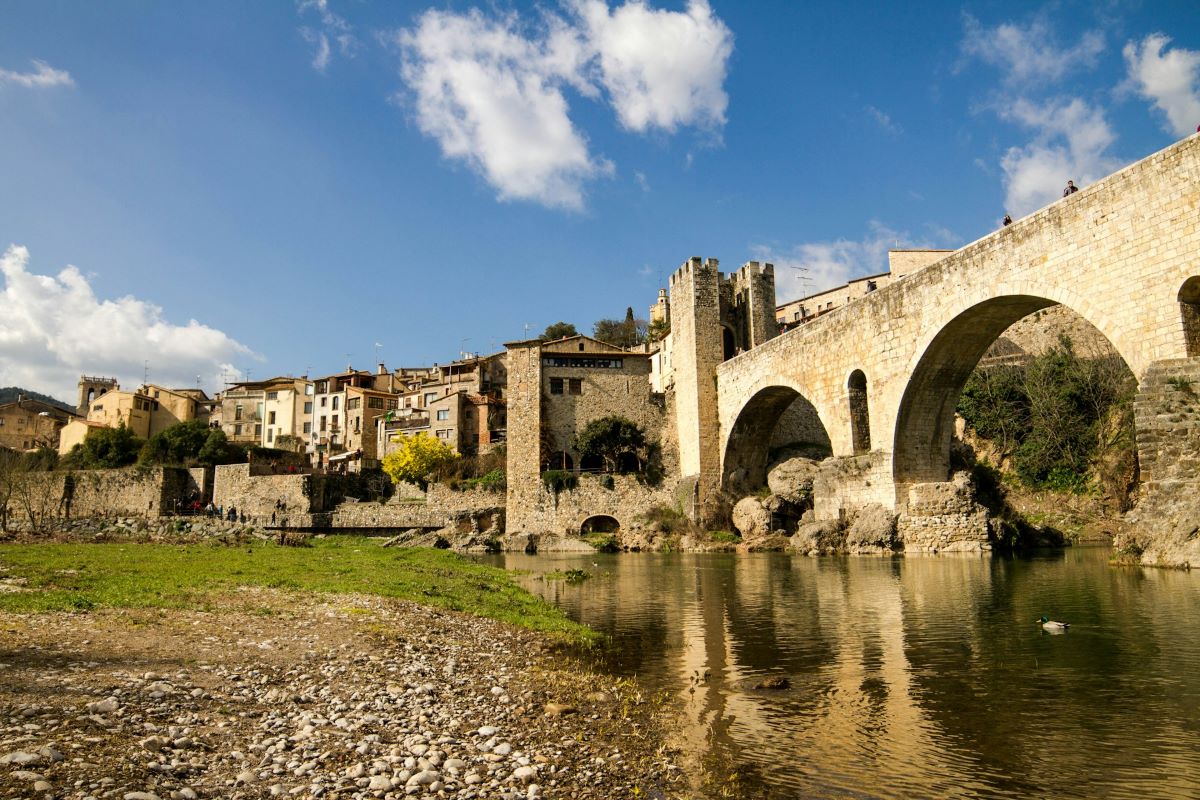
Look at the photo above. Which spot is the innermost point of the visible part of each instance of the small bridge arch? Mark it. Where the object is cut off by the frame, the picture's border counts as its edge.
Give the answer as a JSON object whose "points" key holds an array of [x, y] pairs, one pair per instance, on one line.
{"points": [[776, 415]]}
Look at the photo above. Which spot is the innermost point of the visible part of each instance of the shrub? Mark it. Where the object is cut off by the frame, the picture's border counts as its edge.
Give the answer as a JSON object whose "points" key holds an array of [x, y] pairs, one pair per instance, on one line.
{"points": [[417, 457], [557, 480]]}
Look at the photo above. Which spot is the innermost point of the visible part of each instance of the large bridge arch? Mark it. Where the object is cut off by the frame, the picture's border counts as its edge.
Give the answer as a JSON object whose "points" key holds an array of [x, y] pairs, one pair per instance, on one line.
{"points": [[945, 358], [746, 444]]}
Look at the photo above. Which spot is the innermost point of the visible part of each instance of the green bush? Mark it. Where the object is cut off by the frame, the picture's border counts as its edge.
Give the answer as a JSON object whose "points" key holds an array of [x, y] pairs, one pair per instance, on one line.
{"points": [[558, 480]]}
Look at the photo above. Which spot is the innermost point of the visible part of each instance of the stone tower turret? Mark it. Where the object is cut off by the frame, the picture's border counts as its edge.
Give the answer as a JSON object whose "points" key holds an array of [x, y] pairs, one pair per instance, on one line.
{"points": [[754, 304], [697, 349], [90, 388]]}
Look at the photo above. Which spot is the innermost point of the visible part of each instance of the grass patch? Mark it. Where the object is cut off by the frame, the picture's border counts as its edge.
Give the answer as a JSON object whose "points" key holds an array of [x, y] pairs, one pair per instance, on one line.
{"points": [[724, 536], [79, 577]]}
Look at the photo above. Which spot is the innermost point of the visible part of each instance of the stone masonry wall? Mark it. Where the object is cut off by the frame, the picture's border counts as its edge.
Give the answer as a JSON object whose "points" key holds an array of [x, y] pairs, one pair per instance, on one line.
{"points": [[257, 495], [1166, 520], [563, 513]]}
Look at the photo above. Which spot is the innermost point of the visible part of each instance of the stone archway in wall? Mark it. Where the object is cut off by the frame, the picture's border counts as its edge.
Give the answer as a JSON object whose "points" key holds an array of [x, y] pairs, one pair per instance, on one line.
{"points": [[925, 419], [599, 523], [775, 420]]}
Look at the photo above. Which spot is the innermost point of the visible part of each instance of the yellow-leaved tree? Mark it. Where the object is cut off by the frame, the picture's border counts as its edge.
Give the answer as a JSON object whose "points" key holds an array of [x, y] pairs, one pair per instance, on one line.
{"points": [[416, 457]]}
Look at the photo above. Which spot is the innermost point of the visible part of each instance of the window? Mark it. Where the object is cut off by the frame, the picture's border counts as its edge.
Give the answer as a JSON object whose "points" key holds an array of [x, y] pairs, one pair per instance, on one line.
{"points": [[335, 403], [258, 429], [272, 395], [308, 427], [324, 401], [308, 408], [270, 435], [443, 434], [308, 389], [575, 386], [357, 428], [98, 407], [374, 402], [430, 397], [237, 430], [393, 404], [322, 423], [322, 387], [583, 363], [443, 414], [237, 411], [351, 403], [270, 417], [556, 386]]}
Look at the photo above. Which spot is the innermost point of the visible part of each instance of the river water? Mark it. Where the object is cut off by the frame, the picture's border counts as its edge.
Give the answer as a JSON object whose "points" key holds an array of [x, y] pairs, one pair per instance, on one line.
{"points": [[910, 677]]}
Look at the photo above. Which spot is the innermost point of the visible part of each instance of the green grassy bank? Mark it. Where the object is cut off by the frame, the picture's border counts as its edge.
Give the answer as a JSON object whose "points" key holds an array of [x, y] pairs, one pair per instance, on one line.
{"points": [[78, 577]]}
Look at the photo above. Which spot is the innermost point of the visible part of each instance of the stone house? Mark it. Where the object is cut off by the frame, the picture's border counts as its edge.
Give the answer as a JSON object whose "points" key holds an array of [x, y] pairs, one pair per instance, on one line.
{"points": [[147, 410], [30, 424]]}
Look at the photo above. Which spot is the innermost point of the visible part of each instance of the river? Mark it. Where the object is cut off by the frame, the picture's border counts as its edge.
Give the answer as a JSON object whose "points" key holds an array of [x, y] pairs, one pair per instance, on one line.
{"points": [[924, 676]]}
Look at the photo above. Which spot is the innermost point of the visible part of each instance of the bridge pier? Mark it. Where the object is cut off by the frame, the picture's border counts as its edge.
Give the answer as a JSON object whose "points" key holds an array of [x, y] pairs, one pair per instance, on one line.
{"points": [[1166, 519]]}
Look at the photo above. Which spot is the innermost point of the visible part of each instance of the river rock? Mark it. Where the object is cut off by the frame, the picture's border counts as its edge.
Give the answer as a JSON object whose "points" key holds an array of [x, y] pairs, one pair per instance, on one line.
{"points": [[793, 479], [872, 530], [751, 518], [815, 538]]}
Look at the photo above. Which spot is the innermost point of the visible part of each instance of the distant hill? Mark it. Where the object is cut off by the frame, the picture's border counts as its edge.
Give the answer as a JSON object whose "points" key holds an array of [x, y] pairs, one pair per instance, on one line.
{"points": [[9, 394]]}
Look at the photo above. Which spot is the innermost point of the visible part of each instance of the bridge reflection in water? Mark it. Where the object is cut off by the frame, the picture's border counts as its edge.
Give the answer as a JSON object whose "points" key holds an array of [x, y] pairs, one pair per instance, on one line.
{"points": [[913, 677]]}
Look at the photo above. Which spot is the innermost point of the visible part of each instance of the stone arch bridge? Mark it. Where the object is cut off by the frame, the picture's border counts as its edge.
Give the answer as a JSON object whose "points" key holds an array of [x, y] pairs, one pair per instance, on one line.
{"points": [[884, 373]]}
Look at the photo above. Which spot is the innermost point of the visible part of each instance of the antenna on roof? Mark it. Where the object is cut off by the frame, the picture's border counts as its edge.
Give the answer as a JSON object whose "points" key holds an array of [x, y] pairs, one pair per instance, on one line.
{"points": [[145, 372]]}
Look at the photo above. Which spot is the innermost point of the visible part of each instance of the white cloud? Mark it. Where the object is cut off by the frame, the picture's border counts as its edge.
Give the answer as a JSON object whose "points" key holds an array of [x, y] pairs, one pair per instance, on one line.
{"points": [[884, 120], [492, 90], [1170, 79], [1029, 53], [642, 182], [333, 28], [53, 329], [1070, 142], [661, 69], [813, 267], [43, 76], [494, 99]]}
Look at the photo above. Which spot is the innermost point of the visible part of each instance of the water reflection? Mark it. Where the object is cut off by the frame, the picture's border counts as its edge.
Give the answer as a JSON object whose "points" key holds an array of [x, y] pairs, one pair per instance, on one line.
{"points": [[912, 677]]}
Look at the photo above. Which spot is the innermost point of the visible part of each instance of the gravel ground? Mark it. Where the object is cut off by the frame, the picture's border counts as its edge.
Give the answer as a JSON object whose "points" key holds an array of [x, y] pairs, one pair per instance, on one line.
{"points": [[333, 697]]}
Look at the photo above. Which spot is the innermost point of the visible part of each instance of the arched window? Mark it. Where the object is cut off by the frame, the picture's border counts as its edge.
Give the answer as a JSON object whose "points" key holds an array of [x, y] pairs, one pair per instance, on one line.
{"points": [[1189, 310], [728, 345], [860, 418]]}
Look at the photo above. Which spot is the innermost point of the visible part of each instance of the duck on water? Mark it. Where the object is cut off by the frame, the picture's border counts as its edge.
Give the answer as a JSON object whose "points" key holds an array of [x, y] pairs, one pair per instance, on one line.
{"points": [[1052, 625]]}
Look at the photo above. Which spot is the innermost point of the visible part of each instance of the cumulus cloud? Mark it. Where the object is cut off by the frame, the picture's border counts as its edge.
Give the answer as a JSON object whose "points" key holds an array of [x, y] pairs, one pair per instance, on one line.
{"points": [[54, 328], [331, 28], [813, 267], [44, 76], [494, 99], [492, 90], [1030, 52], [661, 69], [1171, 79], [1071, 139]]}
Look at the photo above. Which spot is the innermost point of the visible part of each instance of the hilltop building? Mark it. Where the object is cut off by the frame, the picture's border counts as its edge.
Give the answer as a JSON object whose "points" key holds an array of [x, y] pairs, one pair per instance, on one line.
{"points": [[31, 424]]}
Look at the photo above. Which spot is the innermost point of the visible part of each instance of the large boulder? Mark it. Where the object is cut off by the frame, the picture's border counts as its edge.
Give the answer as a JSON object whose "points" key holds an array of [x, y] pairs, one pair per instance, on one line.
{"points": [[793, 479], [751, 518], [872, 530], [821, 538]]}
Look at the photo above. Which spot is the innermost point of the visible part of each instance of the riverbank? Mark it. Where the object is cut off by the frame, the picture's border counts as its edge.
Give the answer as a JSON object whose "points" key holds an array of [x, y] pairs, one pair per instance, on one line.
{"points": [[250, 671]]}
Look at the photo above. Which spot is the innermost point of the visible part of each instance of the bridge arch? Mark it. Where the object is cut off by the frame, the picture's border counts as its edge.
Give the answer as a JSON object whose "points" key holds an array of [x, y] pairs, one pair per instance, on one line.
{"points": [[747, 448], [943, 362], [1189, 311]]}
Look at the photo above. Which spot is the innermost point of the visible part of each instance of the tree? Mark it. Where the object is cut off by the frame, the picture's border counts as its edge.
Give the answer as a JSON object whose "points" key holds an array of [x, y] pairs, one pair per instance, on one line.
{"points": [[558, 330], [609, 438], [105, 448], [628, 332], [179, 444], [25, 482], [416, 457], [658, 330]]}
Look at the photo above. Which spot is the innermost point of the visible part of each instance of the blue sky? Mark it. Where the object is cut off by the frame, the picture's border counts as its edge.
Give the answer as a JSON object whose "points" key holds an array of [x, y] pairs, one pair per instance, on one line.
{"points": [[227, 187]]}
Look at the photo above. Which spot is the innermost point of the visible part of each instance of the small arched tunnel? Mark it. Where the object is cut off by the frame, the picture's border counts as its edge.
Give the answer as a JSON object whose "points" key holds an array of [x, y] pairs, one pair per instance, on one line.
{"points": [[776, 418], [599, 523], [925, 418], [1189, 311]]}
